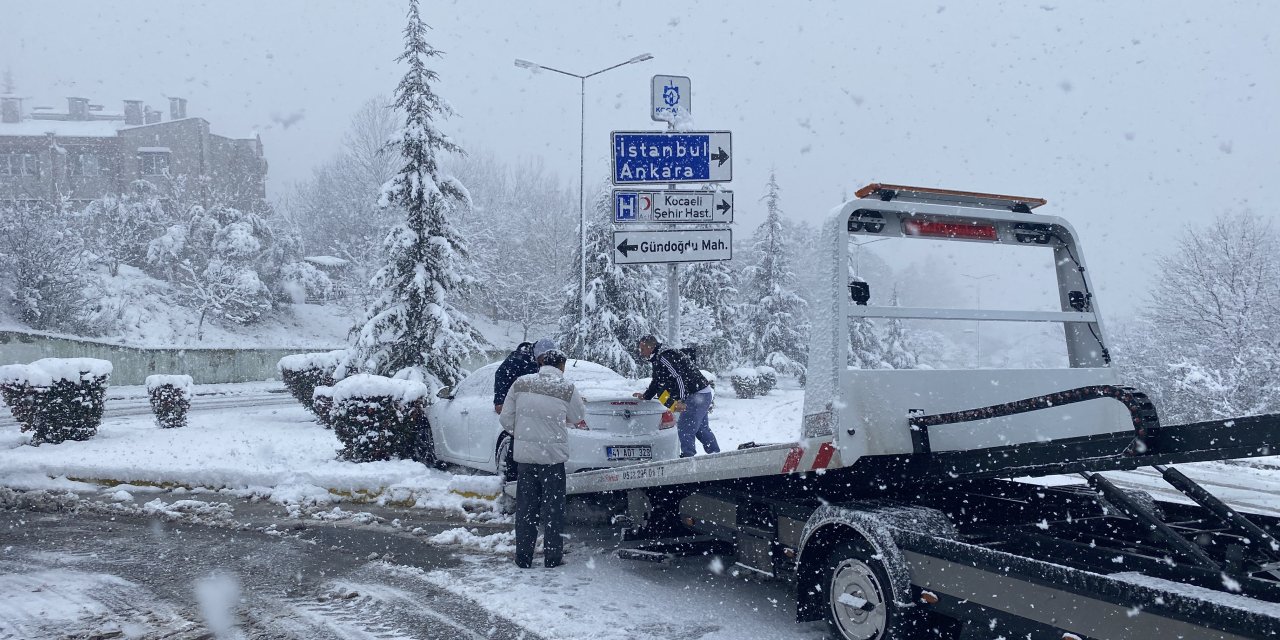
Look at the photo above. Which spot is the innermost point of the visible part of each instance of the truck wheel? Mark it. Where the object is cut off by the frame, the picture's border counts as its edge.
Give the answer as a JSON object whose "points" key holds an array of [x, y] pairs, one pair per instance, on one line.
{"points": [[506, 464], [860, 603]]}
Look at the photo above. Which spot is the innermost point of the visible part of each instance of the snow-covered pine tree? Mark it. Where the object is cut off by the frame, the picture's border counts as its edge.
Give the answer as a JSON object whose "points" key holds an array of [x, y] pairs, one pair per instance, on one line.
{"points": [[708, 313], [899, 352], [118, 227], [777, 331], [624, 302], [866, 350], [41, 267], [412, 329]]}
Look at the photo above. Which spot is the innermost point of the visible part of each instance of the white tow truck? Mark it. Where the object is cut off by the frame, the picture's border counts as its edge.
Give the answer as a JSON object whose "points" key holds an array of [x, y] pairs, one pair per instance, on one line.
{"points": [[896, 512]]}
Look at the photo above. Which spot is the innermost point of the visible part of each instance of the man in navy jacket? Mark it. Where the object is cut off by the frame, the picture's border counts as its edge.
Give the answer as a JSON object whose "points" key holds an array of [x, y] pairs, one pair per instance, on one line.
{"points": [[679, 385]]}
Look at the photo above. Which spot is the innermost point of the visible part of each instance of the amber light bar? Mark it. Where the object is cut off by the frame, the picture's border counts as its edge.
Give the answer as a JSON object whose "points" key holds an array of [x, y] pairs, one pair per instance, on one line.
{"points": [[891, 191], [952, 230]]}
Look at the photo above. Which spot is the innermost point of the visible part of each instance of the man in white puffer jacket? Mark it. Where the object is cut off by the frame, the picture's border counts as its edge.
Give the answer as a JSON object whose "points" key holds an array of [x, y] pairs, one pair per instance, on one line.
{"points": [[539, 410]]}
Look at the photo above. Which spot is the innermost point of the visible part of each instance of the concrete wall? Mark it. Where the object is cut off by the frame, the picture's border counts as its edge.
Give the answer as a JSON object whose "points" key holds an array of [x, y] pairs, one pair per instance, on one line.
{"points": [[132, 365]]}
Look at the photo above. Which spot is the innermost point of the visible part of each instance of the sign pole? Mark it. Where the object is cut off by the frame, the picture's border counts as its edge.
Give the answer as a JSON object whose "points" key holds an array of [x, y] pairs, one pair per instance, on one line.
{"points": [[673, 285]]}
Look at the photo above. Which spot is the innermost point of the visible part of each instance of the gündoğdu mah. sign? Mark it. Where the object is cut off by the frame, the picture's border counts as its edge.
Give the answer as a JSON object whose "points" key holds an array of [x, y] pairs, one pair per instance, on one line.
{"points": [[649, 247]]}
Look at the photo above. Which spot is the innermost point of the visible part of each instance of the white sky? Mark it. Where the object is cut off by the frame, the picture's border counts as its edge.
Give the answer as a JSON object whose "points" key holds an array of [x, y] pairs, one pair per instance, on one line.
{"points": [[1131, 118]]}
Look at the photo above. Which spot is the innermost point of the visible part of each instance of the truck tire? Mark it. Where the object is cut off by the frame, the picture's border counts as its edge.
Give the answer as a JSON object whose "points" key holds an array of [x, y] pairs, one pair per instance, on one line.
{"points": [[859, 599]]}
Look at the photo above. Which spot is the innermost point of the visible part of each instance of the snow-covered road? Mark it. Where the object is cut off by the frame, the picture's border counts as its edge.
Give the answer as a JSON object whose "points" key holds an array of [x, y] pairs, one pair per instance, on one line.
{"points": [[278, 452]]}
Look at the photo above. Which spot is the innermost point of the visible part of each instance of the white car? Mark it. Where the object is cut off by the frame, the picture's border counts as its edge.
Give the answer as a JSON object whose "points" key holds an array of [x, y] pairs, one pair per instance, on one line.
{"points": [[620, 429]]}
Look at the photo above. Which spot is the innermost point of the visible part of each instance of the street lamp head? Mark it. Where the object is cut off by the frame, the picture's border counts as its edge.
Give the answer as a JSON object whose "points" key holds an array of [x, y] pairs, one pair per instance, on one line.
{"points": [[525, 64], [640, 58]]}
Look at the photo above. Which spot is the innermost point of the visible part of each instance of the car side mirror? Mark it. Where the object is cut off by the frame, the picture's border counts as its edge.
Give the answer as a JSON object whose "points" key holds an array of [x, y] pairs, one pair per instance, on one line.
{"points": [[445, 393]]}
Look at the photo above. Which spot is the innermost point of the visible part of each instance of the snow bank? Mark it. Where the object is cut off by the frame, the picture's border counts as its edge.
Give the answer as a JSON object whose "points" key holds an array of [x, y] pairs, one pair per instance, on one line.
{"points": [[365, 385], [502, 542], [73, 369], [181, 382]]}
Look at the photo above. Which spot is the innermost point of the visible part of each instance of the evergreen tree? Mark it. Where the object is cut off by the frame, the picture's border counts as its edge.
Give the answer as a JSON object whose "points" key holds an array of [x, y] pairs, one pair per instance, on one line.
{"points": [[623, 303], [778, 329], [412, 328], [899, 353], [708, 314]]}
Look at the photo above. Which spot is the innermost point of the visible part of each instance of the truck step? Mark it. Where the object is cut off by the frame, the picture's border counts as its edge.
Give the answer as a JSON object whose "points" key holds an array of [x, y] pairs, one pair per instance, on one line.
{"points": [[641, 554]]}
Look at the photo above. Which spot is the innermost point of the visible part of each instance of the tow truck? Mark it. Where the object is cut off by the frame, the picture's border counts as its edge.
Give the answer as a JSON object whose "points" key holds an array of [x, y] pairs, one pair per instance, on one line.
{"points": [[907, 504]]}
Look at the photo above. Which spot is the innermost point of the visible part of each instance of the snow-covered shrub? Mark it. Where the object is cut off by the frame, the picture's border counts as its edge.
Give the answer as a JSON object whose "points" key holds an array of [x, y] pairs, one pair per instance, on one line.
{"points": [[303, 372], [72, 407], [21, 387], [322, 405], [377, 418], [302, 281], [170, 399], [41, 268], [768, 378], [745, 381]]}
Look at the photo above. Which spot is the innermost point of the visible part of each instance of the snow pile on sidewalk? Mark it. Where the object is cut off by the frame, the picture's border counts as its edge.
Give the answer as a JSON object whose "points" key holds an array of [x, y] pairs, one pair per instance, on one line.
{"points": [[278, 452], [275, 452]]}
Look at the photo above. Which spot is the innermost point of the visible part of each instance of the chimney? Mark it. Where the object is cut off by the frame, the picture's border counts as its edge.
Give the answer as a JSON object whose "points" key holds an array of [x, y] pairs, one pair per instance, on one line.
{"points": [[177, 108], [10, 110], [151, 116], [133, 112], [77, 108]]}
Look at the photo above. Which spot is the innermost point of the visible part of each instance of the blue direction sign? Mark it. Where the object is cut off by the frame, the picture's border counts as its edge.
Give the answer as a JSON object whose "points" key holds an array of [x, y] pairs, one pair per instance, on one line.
{"points": [[641, 157]]}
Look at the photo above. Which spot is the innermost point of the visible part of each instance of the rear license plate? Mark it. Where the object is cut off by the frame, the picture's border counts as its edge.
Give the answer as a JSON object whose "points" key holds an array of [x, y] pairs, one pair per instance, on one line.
{"points": [[637, 452]]}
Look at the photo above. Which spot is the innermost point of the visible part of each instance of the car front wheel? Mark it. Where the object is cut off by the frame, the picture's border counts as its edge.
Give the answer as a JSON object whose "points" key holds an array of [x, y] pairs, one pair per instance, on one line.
{"points": [[506, 463]]}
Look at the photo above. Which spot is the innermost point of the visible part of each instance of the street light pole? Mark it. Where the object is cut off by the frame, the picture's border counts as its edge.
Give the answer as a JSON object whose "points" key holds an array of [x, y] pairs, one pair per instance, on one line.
{"points": [[978, 325], [582, 170]]}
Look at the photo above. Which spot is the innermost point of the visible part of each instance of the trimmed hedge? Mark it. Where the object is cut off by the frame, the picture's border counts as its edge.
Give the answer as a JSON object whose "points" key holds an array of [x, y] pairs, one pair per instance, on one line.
{"points": [[21, 387], [72, 407], [768, 379], [303, 372], [322, 406], [170, 399], [377, 418], [746, 382]]}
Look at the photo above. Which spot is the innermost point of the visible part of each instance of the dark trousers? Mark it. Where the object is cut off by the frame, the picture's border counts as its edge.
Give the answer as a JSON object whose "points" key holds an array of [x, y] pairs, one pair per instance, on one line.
{"points": [[539, 500]]}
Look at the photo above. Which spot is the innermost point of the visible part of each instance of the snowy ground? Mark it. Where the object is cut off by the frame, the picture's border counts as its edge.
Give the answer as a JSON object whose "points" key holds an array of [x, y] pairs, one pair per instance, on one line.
{"points": [[278, 452]]}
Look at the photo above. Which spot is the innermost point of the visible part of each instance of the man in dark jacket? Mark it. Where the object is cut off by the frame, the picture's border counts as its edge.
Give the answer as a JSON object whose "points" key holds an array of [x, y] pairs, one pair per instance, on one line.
{"points": [[680, 386], [519, 363]]}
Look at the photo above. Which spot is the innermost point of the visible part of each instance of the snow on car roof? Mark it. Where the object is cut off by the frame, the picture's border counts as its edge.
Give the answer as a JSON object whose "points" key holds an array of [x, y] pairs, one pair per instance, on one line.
{"points": [[592, 380]]}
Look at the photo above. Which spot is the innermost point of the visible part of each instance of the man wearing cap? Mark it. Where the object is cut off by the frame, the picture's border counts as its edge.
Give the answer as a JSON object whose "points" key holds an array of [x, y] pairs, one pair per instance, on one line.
{"points": [[539, 410], [521, 362], [680, 386]]}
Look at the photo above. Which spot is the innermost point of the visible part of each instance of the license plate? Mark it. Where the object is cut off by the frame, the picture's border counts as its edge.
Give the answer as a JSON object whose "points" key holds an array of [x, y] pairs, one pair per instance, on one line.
{"points": [[637, 452]]}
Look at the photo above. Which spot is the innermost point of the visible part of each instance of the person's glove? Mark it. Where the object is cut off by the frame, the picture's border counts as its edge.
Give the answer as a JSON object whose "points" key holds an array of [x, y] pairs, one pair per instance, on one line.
{"points": [[677, 406]]}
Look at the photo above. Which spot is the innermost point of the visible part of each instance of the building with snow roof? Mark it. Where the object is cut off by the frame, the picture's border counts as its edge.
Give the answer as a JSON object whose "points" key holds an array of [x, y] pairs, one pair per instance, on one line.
{"points": [[87, 152]]}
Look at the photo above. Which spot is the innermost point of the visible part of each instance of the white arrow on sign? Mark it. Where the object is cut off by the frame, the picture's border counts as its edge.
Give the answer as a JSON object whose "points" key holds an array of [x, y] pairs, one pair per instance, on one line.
{"points": [[649, 247], [680, 207]]}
